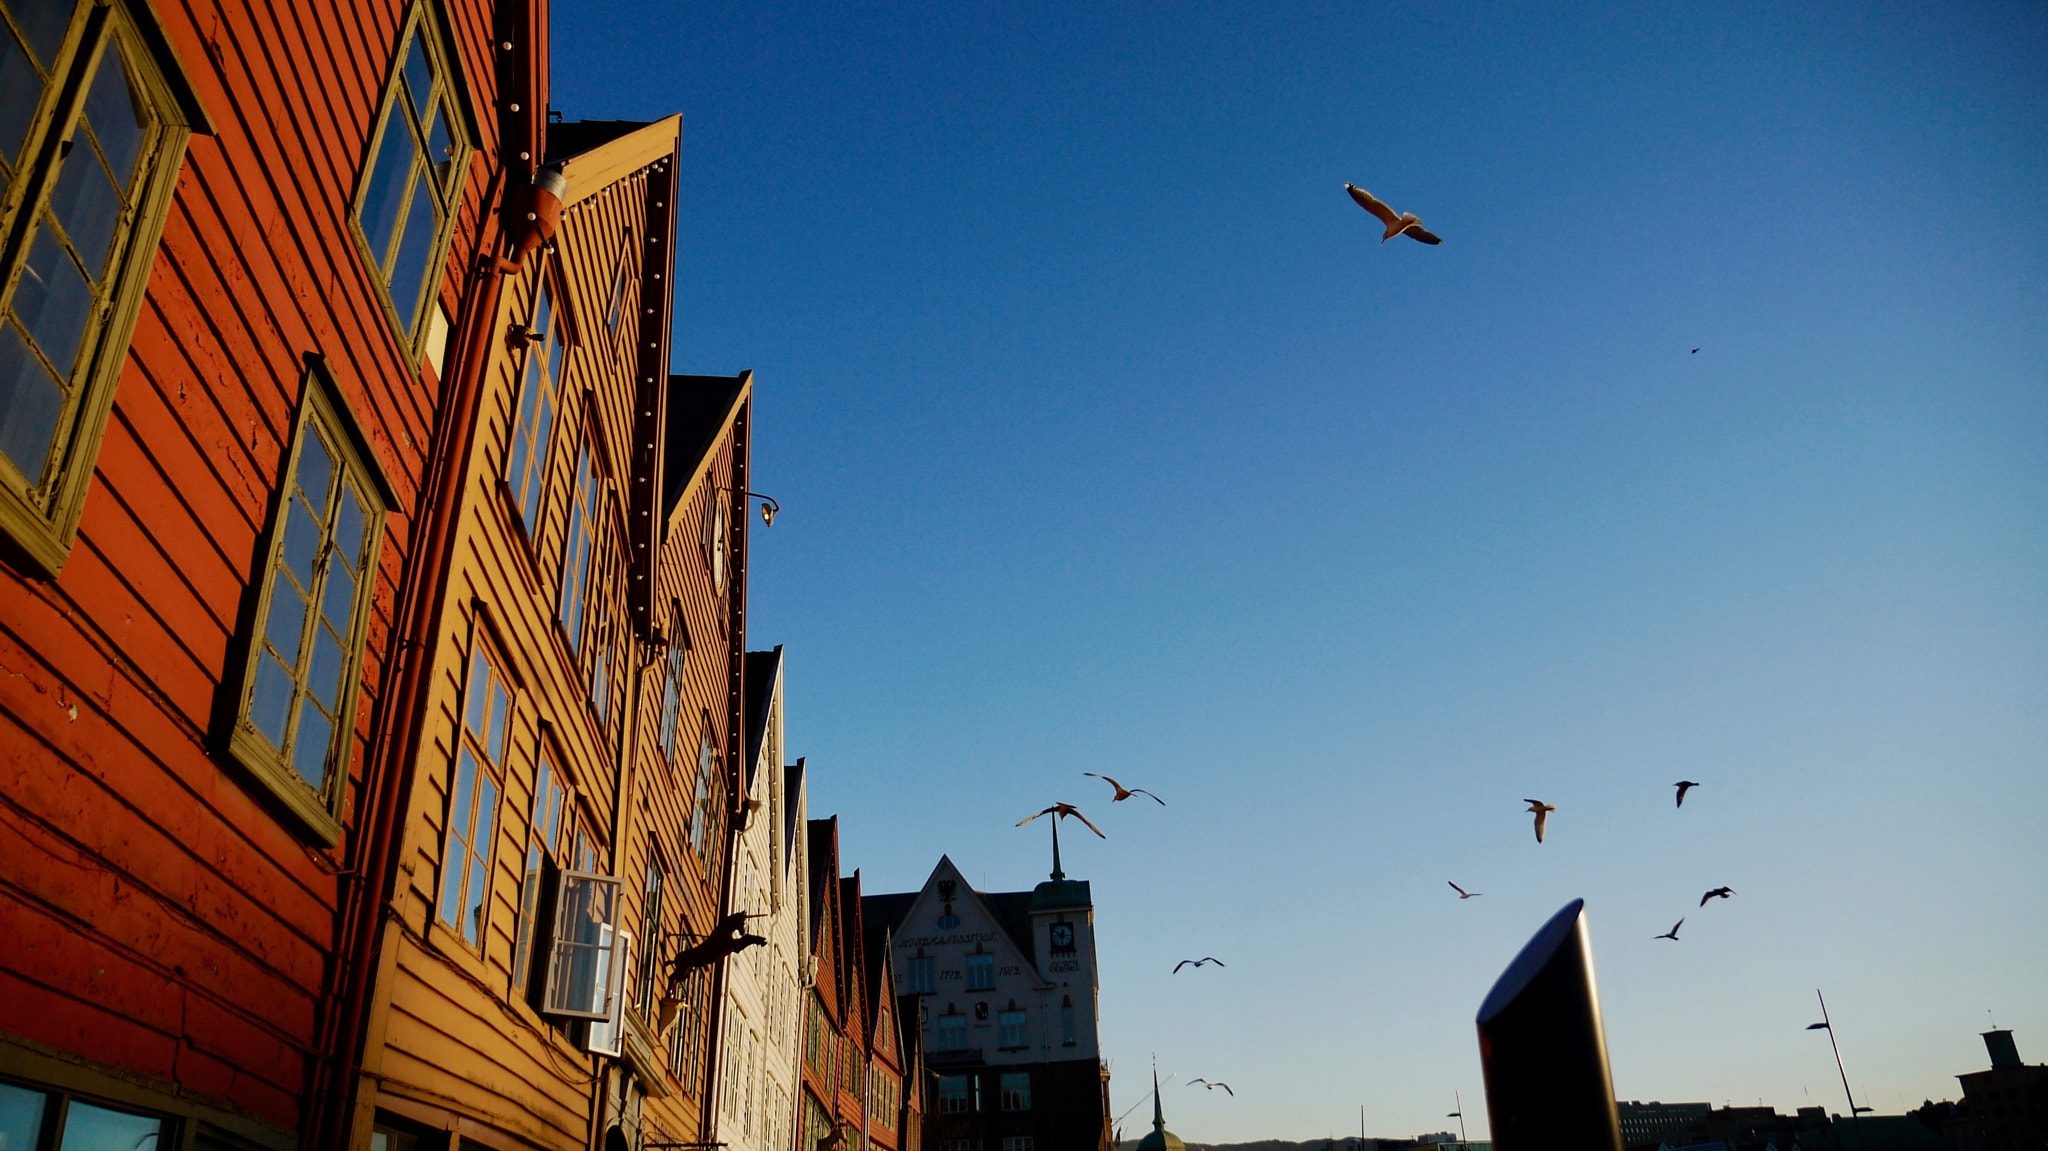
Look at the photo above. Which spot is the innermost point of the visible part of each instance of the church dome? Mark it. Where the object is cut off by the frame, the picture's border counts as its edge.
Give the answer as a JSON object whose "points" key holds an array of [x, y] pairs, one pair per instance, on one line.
{"points": [[1160, 1139]]}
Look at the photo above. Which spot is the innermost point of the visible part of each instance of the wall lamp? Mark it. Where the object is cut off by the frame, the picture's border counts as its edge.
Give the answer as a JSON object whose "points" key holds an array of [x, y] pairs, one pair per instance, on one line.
{"points": [[769, 507]]}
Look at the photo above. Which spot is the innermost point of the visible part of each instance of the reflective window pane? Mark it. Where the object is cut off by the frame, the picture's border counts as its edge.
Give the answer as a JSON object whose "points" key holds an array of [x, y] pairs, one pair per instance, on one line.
{"points": [[441, 147], [501, 710], [419, 74], [415, 249], [271, 708], [301, 542], [117, 119], [53, 300], [30, 402], [316, 470], [21, 89], [323, 678], [21, 1118], [88, 206], [90, 1128], [465, 782], [479, 683], [309, 754], [338, 599], [43, 22], [287, 624], [385, 194], [349, 539]]}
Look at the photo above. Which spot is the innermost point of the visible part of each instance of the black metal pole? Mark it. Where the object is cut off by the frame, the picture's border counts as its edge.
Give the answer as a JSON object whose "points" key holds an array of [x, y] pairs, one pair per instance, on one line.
{"points": [[1543, 1049]]}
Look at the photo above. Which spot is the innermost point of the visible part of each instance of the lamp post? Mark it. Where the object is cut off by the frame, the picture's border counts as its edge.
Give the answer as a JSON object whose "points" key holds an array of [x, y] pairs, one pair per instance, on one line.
{"points": [[1827, 1025], [1459, 1115]]}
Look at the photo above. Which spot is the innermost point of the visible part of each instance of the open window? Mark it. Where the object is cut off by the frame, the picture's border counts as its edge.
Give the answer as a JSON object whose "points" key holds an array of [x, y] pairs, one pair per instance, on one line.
{"points": [[581, 979], [608, 1035]]}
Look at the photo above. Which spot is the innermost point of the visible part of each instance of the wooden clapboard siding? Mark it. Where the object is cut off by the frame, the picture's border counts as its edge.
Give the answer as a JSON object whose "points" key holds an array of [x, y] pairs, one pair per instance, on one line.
{"points": [[456, 1038], [163, 919]]}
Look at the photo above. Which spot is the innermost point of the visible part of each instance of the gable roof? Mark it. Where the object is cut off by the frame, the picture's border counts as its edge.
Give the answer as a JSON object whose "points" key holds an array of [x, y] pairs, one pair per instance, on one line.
{"points": [[699, 408], [1010, 911], [763, 674]]}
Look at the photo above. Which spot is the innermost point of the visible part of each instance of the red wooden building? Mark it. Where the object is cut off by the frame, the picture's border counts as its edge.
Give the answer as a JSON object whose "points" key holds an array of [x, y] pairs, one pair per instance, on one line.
{"points": [[245, 250]]}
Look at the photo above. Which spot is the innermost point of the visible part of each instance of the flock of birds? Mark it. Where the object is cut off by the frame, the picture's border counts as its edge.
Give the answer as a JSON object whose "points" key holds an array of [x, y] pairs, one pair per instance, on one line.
{"points": [[1542, 812]]}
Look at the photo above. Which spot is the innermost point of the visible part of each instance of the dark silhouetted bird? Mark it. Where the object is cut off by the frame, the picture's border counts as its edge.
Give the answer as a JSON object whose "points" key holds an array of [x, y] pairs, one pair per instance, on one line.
{"points": [[1122, 792], [1718, 892], [1672, 934], [1695, 351], [1542, 811], [1406, 223], [1214, 1086], [1683, 786], [1197, 963], [1062, 810], [1462, 893]]}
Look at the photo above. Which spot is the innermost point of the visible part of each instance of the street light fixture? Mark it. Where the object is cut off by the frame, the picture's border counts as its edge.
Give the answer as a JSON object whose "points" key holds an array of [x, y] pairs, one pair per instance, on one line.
{"points": [[768, 507], [1827, 1025]]}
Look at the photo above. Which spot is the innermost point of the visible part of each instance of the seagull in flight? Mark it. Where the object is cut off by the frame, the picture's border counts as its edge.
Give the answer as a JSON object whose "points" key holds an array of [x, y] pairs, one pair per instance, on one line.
{"points": [[1718, 892], [1405, 223], [1683, 786], [1062, 810], [1122, 792], [1462, 893], [1542, 811], [1197, 963], [1214, 1086], [1672, 934]]}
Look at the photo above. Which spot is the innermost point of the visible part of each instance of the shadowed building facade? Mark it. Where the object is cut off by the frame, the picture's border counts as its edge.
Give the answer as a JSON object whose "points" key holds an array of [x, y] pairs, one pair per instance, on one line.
{"points": [[1007, 987]]}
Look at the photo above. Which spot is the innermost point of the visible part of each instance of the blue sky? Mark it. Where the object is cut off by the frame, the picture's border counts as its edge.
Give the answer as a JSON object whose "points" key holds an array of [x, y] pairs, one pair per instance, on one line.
{"points": [[1109, 438]]}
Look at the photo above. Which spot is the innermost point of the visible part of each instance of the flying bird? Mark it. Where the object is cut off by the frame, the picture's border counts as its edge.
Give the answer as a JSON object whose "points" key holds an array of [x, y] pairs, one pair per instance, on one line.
{"points": [[1063, 810], [1462, 893], [1542, 811], [1720, 892], [1672, 934], [1683, 786], [1695, 351], [1198, 963], [1406, 223], [1214, 1086], [1122, 792]]}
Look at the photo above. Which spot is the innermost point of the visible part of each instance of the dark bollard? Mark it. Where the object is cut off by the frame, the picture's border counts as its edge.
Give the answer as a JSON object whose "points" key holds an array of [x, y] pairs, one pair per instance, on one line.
{"points": [[1542, 1049]]}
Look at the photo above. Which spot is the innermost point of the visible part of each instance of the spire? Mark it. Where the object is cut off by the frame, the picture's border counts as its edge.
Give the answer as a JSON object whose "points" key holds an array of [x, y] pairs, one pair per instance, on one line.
{"points": [[1158, 1116], [1057, 874]]}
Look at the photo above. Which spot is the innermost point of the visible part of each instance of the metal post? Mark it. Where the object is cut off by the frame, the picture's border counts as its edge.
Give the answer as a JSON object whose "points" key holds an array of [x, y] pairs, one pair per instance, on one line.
{"points": [[1828, 1025], [1543, 1049]]}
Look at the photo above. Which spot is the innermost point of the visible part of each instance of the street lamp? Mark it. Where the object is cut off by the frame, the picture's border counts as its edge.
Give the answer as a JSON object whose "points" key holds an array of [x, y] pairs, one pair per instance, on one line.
{"points": [[1459, 1115], [768, 507], [1828, 1026]]}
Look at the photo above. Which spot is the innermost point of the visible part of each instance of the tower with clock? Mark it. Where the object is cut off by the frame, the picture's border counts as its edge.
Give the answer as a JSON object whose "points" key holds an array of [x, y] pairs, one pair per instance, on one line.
{"points": [[1007, 993]]}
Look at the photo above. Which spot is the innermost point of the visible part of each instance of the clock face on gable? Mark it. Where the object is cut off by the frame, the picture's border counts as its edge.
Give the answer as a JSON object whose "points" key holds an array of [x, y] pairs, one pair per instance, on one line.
{"points": [[1062, 937], [716, 542]]}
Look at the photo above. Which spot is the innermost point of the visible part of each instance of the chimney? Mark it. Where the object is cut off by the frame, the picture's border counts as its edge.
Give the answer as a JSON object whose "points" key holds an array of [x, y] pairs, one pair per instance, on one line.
{"points": [[2004, 1055]]}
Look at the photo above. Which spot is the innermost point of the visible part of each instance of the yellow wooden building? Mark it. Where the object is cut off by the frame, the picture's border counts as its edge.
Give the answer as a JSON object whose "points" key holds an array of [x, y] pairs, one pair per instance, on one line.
{"points": [[566, 827]]}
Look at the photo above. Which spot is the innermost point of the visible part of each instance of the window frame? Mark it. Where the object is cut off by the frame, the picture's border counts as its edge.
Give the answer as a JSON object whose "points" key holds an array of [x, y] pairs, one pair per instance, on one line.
{"points": [[490, 770], [318, 811], [425, 19], [39, 517], [546, 384]]}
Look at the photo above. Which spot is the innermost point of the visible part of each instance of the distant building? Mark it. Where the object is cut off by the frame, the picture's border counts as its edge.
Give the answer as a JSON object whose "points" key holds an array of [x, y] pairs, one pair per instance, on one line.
{"points": [[1007, 986], [1648, 1124], [2005, 1108]]}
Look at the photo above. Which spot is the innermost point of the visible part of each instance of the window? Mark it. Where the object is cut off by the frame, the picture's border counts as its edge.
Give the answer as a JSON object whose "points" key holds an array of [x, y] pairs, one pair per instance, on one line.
{"points": [[815, 1032], [576, 548], [886, 1101], [703, 825], [922, 980], [955, 1094], [672, 695], [622, 275], [1010, 1028], [544, 828], [981, 972], [606, 1035], [405, 198], [1016, 1089], [952, 1032], [294, 728], [686, 1045], [526, 462], [650, 933], [956, 1145], [465, 861], [583, 978], [26, 1113], [1016, 1143], [93, 122], [1067, 1020]]}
